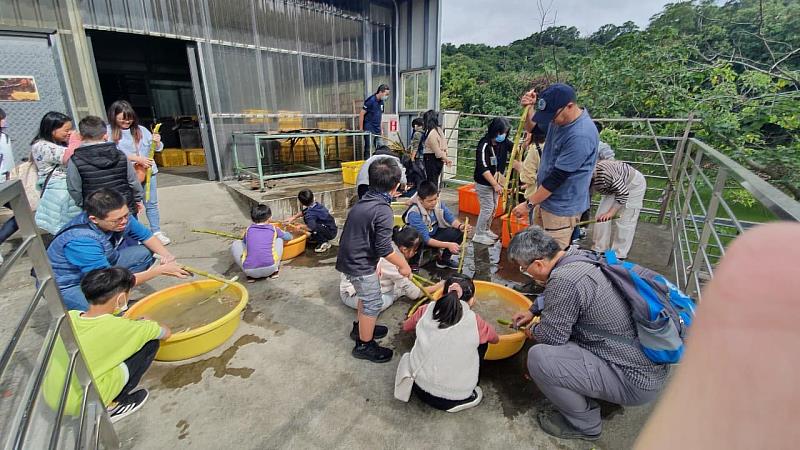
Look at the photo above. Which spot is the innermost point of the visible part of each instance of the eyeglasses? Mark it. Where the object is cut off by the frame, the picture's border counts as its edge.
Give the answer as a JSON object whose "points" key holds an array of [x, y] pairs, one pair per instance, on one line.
{"points": [[524, 269], [118, 221]]}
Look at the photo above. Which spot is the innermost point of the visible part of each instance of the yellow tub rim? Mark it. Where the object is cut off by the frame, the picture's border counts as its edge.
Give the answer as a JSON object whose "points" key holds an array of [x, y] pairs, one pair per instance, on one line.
{"points": [[182, 336]]}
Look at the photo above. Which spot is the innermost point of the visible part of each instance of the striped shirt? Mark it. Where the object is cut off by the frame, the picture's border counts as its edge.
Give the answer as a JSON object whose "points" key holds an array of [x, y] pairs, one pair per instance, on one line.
{"points": [[612, 178], [579, 295]]}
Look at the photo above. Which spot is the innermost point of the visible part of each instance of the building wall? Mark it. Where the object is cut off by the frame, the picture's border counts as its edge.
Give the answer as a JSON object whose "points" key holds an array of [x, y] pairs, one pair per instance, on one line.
{"points": [[262, 60]]}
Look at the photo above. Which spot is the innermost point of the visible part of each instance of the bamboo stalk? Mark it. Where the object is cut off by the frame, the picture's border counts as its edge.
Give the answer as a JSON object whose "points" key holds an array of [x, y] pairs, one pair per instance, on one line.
{"points": [[217, 233], [515, 149], [208, 275], [425, 296], [149, 173], [463, 246], [510, 324], [589, 222], [423, 280]]}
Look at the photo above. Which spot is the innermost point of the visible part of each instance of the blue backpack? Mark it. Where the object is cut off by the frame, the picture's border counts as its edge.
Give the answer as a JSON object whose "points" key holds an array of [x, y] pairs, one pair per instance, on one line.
{"points": [[661, 312]]}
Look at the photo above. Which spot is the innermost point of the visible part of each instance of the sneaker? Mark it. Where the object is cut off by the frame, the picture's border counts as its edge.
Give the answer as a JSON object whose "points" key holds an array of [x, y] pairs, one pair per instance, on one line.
{"points": [[492, 235], [322, 248], [274, 275], [483, 239], [582, 232], [554, 424], [132, 403], [372, 351], [448, 263], [474, 400], [380, 332], [163, 238]]}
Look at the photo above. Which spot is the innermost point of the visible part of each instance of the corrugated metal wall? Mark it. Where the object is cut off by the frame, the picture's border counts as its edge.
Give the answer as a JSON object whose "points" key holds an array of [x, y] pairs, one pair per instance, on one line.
{"points": [[261, 58], [265, 60]]}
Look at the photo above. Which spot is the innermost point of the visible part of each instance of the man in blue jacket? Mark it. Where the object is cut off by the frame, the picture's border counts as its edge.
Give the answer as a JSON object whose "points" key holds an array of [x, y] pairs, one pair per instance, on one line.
{"points": [[92, 241]]}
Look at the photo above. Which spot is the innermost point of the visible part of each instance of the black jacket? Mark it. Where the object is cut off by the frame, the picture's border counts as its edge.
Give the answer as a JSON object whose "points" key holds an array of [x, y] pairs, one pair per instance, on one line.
{"points": [[366, 237], [96, 166], [484, 155]]}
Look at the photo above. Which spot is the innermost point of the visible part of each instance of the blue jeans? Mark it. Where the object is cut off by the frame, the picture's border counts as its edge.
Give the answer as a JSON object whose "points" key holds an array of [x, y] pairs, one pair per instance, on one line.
{"points": [[137, 259], [8, 228], [151, 207]]}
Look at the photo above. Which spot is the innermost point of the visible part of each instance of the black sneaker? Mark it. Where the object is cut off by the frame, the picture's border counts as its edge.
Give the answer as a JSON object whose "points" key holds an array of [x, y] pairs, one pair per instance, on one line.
{"points": [[372, 352], [379, 333], [128, 406], [554, 424], [446, 263]]}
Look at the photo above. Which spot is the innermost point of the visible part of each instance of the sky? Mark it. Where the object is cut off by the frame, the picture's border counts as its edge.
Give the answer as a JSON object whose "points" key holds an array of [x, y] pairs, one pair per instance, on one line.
{"points": [[500, 22]]}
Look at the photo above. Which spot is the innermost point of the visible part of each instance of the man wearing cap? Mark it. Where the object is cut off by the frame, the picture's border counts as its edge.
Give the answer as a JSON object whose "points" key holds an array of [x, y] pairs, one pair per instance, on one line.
{"points": [[568, 159]]}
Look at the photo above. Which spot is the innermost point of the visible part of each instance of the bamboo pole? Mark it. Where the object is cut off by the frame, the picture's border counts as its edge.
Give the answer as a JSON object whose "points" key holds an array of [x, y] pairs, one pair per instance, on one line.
{"points": [[423, 280], [208, 275], [425, 296], [463, 246], [217, 233], [149, 174], [515, 149]]}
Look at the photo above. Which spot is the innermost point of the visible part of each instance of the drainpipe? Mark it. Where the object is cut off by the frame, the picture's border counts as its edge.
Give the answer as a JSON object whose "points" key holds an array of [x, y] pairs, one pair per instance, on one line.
{"points": [[396, 86]]}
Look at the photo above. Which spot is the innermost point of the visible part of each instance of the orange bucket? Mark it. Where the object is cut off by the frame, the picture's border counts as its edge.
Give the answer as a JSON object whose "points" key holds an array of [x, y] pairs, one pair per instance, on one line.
{"points": [[517, 225]]}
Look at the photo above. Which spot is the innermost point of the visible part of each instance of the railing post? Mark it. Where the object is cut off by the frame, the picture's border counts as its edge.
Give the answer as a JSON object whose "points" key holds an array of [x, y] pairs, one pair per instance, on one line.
{"points": [[708, 225], [676, 161]]}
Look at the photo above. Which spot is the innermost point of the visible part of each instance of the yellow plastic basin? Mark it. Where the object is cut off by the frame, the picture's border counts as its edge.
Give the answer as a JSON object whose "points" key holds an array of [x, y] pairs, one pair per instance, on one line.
{"points": [[294, 248], [199, 340], [399, 208], [509, 344]]}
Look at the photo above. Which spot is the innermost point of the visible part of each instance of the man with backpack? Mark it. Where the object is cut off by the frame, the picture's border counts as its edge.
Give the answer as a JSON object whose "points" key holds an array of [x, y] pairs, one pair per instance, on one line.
{"points": [[589, 335]]}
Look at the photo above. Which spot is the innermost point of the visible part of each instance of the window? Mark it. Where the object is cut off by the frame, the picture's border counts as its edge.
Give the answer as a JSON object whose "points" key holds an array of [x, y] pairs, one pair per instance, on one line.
{"points": [[416, 90]]}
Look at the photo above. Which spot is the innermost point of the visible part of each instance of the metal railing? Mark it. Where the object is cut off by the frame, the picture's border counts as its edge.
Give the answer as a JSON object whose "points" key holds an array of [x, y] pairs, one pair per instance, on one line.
{"points": [[41, 408], [706, 198]]}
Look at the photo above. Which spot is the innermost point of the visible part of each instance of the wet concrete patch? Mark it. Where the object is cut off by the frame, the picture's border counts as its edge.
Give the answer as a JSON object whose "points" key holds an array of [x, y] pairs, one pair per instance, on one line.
{"points": [[184, 375], [263, 320]]}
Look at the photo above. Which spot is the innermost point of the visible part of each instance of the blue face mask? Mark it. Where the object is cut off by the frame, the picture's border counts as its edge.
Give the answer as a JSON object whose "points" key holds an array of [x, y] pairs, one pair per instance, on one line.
{"points": [[500, 138]]}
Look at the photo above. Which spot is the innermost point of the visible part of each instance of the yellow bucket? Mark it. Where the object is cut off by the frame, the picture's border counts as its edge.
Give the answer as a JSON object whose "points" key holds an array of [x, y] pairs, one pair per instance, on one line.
{"points": [[199, 340], [399, 208], [294, 248], [509, 344]]}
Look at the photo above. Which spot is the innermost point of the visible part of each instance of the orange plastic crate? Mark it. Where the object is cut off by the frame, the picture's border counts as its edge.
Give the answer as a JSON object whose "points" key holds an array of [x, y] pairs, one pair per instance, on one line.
{"points": [[517, 225], [468, 201]]}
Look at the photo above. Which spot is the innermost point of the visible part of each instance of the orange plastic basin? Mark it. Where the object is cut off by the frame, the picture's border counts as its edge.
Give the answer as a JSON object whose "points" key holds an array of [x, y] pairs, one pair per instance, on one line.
{"points": [[509, 344], [294, 248], [468, 201], [517, 225]]}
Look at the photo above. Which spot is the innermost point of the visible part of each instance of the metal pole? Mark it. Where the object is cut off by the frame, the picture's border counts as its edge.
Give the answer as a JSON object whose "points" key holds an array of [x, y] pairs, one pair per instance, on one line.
{"points": [[708, 224], [676, 160]]}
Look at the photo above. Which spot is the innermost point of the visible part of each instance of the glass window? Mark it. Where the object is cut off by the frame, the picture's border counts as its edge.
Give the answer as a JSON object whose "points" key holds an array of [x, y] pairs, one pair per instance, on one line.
{"points": [[416, 93]]}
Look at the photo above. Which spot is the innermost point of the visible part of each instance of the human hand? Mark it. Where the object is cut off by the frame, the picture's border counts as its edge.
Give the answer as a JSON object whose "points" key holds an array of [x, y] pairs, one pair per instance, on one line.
{"points": [[529, 98], [405, 270], [605, 217], [521, 318], [521, 210], [157, 138], [144, 162], [517, 165], [498, 188], [139, 207], [172, 269], [453, 247], [448, 162]]}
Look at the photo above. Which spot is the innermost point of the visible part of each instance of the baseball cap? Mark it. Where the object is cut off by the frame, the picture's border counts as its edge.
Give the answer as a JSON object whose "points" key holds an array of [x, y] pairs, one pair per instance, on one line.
{"points": [[551, 100]]}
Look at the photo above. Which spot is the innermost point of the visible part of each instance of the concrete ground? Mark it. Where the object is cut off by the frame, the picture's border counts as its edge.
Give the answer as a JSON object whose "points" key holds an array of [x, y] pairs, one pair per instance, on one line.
{"points": [[286, 378]]}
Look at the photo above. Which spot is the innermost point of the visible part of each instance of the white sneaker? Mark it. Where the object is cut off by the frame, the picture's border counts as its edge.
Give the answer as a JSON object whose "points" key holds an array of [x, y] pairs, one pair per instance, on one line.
{"points": [[163, 238], [482, 238], [322, 248], [492, 235], [475, 400]]}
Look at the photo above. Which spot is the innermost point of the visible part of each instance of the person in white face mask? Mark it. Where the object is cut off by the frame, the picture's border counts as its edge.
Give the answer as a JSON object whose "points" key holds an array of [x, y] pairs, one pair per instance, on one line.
{"points": [[118, 350], [490, 162]]}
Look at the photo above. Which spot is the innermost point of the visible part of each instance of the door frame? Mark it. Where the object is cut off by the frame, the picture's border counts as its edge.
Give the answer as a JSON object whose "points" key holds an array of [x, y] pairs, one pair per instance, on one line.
{"points": [[201, 100]]}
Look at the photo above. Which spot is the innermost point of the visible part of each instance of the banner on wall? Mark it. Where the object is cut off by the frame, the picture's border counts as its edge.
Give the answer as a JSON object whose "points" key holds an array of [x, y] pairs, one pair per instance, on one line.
{"points": [[16, 88]]}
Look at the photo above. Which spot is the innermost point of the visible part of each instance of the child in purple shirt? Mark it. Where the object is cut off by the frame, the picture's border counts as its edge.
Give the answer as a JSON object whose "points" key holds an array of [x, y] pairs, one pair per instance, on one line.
{"points": [[259, 252]]}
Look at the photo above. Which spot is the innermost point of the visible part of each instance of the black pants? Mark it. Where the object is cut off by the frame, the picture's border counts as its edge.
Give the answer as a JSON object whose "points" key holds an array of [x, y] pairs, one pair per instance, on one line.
{"points": [[138, 364], [321, 235], [448, 235], [433, 168], [367, 146], [444, 404]]}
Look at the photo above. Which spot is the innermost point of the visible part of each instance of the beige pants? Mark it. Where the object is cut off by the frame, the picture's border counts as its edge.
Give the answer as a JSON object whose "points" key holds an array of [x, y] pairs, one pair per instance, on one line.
{"points": [[558, 227], [618, 234]]}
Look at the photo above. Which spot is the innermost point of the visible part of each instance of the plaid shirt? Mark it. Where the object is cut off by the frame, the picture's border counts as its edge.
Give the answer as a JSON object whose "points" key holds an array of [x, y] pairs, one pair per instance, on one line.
{"points": [[579, 294]]}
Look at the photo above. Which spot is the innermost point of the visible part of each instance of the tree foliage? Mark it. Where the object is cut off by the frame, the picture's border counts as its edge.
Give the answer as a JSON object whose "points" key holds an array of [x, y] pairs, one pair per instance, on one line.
{"points": [[736, 66]]}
